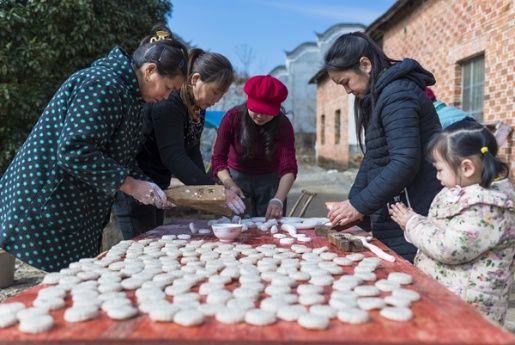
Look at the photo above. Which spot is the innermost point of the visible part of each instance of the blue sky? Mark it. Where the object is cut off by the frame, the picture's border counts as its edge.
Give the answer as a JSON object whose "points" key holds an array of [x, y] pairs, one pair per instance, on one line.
{"points": [[267, 28]]}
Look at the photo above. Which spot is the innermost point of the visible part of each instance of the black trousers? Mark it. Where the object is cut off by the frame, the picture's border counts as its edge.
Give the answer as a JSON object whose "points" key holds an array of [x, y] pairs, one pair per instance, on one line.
{"points": [[259, 189], [133, 217]]}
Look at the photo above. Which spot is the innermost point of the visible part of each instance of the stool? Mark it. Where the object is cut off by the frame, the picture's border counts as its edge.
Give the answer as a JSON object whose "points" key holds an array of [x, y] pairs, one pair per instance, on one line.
{"points": [[302, 203]]}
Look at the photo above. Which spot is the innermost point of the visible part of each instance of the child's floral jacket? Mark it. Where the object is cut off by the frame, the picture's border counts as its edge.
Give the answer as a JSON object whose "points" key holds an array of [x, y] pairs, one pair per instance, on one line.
{"points": [[467, 242]]}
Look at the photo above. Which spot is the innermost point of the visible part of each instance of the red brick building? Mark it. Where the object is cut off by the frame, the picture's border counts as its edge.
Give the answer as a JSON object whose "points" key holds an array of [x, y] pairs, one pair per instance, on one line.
{"points": [[336, 143], [469, 45]]}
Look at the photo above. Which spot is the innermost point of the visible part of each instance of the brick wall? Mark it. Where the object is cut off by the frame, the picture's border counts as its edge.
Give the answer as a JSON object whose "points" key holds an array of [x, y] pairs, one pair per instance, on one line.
{"points": [[331, 98], [442, 33]]}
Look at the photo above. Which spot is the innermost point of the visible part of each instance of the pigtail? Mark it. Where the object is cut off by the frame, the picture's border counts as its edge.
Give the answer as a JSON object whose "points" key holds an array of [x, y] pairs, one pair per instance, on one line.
{"points": [[489, 168], [493, 167]]}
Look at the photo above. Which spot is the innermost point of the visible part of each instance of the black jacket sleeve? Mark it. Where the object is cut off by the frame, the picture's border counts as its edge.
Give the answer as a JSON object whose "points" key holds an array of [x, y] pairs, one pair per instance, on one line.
{"points": [[359, 184], [400, 120], [361, 181], [196, 157], [168, 121]]}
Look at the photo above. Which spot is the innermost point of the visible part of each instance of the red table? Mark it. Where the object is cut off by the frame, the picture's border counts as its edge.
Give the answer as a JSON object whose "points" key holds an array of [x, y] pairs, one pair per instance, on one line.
{"points": [[440, 317]]}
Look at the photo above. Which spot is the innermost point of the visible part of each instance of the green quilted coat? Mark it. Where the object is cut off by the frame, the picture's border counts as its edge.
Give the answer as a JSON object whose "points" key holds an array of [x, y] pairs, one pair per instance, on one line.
{"points": [[56, 196]]}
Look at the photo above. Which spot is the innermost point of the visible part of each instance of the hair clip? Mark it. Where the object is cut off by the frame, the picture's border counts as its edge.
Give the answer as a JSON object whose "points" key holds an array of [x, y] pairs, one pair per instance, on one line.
{"points": [[160, 35], [484, 149]]}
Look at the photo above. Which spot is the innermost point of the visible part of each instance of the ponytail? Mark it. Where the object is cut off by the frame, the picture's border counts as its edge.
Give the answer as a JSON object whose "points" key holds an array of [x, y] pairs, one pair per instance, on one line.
{"points": [[493, 167], [186, 89]]}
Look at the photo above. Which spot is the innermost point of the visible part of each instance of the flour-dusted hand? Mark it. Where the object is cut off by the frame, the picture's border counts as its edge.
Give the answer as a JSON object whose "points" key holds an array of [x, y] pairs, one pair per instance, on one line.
{"points": [[343, 213], [233, 199], [147, 193], [158, 197], [401, 214], [274, 209]]}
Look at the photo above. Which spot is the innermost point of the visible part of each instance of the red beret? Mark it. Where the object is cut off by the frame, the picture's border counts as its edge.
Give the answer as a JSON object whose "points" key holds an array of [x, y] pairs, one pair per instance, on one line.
{"points": [[265, 94]]}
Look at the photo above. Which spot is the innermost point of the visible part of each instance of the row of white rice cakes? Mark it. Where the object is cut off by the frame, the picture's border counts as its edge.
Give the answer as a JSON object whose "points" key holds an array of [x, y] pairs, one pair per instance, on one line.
{"points": [[185, 281]]}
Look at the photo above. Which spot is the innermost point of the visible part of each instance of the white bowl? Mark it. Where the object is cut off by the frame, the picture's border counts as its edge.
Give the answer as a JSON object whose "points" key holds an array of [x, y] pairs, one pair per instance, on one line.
{"points": [[226, 232]]}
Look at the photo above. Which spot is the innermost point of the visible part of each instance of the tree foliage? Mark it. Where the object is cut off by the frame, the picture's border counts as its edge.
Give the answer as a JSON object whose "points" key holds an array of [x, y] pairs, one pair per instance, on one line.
{"points": [[44, 41]]}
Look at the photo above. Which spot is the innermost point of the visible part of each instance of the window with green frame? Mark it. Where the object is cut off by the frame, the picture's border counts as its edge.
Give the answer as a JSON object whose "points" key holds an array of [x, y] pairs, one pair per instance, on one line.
{"points": [[472, 86]]}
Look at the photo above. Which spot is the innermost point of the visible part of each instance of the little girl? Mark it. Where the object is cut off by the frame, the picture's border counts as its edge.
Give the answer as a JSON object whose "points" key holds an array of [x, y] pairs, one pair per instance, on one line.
{"points": [[467, 241]]}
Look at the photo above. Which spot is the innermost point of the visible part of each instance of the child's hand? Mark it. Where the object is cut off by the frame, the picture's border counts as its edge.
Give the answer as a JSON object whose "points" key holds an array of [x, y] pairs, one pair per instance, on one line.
{"points": [[401, 214]]}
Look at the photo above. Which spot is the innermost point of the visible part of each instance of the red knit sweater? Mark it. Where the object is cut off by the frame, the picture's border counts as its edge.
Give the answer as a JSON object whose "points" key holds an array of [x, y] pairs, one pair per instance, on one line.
{"points": [[228, 151]]}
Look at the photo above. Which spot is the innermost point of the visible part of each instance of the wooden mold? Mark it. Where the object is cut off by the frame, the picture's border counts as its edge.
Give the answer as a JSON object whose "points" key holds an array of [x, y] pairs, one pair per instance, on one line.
{"points": [[342, 240], [209, 198]]}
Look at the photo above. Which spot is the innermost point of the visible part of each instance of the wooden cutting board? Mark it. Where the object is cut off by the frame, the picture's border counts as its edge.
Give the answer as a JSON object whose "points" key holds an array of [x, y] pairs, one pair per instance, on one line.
{"points": [[208, 198]]}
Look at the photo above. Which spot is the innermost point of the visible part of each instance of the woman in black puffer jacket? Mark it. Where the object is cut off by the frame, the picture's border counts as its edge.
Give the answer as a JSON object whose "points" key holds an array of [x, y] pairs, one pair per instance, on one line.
{"points": [[397, 120]]}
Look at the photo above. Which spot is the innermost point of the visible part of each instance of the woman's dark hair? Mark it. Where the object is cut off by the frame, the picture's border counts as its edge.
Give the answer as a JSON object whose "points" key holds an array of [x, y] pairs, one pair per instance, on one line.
{"points": [[212, 68], [268, 131], [345, 54], [163, 49], [466, 139]]}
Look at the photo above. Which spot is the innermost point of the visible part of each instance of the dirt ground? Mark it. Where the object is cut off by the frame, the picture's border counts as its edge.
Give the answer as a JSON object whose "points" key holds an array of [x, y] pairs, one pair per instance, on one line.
{"points": [[330, 185]]}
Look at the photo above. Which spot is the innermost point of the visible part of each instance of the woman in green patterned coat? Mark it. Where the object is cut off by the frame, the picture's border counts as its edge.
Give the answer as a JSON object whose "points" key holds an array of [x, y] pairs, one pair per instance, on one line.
{"points": [[56, 195]]}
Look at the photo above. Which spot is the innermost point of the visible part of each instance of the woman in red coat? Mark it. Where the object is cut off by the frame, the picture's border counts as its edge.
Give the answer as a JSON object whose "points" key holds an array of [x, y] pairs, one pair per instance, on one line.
{"points": [[254, 151]]}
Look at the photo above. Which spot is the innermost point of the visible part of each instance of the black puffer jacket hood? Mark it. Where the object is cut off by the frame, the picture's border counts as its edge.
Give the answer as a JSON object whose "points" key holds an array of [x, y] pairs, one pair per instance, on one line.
{"points": [[407, 69]]}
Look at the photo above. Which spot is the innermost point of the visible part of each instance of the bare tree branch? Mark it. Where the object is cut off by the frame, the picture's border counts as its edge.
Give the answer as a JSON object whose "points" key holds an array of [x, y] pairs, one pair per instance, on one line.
{"points": [[246, 56]]}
